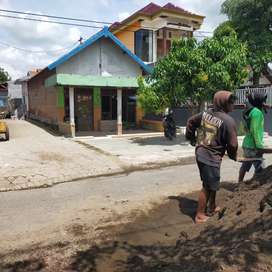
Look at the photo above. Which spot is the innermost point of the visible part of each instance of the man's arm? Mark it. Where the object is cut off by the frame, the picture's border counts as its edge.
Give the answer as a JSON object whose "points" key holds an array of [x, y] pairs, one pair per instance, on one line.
{"points": [[232, 142], [193, 123]]}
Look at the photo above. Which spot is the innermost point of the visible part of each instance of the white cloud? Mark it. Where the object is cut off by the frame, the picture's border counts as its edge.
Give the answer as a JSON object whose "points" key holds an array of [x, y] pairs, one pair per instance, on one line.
{"points": [[4, 4], [33, 36], [123, 15], [105, 3], [210, 9]]}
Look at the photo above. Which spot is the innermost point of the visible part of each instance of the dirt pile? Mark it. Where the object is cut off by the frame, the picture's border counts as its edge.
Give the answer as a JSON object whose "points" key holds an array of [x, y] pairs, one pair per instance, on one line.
{"points": [[167, 240]]}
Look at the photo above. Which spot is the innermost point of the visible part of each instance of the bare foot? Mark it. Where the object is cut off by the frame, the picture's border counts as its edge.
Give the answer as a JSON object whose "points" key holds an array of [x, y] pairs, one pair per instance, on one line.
{"points": [[211, 212], [201, 219]]}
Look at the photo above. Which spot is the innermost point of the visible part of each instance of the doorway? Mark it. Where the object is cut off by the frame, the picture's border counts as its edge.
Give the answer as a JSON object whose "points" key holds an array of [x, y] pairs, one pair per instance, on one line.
{"points": [[83, 109]]}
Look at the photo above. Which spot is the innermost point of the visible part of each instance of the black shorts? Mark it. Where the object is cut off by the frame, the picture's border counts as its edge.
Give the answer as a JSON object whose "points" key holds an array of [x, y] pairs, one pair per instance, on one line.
{"points": [[210, 176]]}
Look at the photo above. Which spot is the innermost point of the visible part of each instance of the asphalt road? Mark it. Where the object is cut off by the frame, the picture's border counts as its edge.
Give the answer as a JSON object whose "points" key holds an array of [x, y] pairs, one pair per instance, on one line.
{"points": [[46, 215]]}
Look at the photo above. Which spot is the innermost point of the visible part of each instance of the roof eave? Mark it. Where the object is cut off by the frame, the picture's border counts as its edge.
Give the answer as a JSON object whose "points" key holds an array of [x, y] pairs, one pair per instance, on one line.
{"points": [[103, 33]]}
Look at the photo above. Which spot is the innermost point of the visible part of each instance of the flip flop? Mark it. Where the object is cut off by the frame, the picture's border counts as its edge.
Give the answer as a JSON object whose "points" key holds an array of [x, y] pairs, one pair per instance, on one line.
{"points": [[201, 220]]}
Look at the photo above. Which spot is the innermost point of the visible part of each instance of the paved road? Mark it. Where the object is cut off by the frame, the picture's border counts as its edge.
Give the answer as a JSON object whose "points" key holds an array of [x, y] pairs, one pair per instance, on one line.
{"points": [[35, 158], [44, 215]]}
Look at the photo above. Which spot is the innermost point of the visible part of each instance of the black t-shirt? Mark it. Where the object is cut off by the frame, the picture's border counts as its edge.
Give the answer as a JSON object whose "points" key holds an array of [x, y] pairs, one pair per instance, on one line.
{"points": [[216, 133]]}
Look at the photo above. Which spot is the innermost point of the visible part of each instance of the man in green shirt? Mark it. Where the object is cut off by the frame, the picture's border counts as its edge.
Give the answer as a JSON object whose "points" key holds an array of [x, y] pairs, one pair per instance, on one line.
{"points": [[253, 144]]}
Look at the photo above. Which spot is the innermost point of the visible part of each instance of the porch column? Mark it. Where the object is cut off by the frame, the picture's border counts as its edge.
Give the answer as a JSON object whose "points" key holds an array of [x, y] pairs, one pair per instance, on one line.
{"points": [[154, 34], [119, 112], [72, 111]]}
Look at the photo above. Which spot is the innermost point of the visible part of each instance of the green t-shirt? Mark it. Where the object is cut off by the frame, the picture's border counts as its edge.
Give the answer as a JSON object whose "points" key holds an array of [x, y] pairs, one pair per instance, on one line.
{"points": [[254, 137]]}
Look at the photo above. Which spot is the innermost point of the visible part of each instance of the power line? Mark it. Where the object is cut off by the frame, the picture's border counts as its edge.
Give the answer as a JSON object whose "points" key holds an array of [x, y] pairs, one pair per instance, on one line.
{"points": [[48, 21], [56, 17], [64, 23], [39, 52], [71, 19], [58, 22]]}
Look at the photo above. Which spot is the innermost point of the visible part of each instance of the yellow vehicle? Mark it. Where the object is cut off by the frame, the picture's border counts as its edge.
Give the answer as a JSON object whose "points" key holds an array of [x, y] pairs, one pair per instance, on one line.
{"points": [[4, 130], [4, 113]]}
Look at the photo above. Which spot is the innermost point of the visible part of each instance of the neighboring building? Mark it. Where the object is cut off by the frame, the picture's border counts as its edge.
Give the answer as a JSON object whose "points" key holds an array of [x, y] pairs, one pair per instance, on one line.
{"points": [[4, 89], [91, 88], [150, 31], [3, 94], [24, 83], [265, 79], [14, 90], [3, 99]]}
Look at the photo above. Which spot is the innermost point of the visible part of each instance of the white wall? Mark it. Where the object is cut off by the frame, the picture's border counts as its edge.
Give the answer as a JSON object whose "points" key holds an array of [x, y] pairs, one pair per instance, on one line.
{"points": [[14, 90], [104, 58]]}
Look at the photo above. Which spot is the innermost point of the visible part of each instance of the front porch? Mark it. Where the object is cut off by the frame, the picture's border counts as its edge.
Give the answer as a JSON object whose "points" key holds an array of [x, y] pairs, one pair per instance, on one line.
{"points": [[88, 109]]}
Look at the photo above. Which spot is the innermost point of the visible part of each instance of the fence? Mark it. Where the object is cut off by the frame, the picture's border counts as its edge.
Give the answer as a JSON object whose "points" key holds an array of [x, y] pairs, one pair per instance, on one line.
{"points": [[241, 94]]}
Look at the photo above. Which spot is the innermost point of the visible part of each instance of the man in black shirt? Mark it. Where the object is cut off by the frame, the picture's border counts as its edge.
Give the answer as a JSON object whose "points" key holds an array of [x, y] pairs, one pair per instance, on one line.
{"points": [[216, 134]]}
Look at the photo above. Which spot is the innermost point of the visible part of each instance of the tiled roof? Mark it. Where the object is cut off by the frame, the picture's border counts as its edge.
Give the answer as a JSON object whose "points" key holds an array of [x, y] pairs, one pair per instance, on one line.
{"points": [[151, 9], [172, 7]]}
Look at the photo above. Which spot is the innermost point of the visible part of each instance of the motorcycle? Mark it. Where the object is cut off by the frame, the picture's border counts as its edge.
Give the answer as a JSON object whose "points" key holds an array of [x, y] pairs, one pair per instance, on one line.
{"points": [[169, 125]]}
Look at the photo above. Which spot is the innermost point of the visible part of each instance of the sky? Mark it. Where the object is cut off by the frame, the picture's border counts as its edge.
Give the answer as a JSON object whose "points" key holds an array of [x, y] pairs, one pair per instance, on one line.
{"points": [[45, 42]]}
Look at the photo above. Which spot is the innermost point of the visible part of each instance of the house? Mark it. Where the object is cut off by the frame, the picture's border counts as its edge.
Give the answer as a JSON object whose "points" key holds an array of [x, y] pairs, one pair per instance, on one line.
{"points": [[94, 86], [91, 88], [149, 32]]}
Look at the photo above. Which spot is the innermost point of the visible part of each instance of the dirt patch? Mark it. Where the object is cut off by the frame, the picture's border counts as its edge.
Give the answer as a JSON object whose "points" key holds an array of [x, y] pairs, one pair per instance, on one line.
{"points": [[52, 156], [166, 239]]}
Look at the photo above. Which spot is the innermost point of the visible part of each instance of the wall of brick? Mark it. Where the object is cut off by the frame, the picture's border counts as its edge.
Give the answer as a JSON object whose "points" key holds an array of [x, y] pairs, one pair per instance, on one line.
{"points": [[43, 102]]}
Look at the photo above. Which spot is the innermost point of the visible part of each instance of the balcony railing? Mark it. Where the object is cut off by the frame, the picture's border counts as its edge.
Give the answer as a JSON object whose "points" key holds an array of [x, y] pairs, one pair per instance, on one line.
{"points": [[241, 94]]}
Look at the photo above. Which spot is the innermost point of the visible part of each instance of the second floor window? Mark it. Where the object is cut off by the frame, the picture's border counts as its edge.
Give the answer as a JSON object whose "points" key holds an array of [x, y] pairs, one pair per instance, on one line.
{"points": [[144, 44]]}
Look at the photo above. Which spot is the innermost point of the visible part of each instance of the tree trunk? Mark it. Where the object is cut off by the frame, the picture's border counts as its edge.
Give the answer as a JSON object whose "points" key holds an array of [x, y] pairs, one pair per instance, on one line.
{"points": [[197, 108]]}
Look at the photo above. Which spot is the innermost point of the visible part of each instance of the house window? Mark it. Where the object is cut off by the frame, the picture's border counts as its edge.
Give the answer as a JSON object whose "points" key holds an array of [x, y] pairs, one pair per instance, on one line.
{"points": [[144, 44]]}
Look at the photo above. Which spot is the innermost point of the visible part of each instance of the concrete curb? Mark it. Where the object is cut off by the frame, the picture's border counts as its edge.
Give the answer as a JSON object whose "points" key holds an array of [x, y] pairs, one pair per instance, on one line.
{"points": [[126, 171]]}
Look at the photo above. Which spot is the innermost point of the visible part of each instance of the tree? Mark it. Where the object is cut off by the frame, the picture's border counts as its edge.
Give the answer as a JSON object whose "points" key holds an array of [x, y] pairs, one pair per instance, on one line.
{"points": [[4, 76], [225, 29], [252, 20], [192, 72]]}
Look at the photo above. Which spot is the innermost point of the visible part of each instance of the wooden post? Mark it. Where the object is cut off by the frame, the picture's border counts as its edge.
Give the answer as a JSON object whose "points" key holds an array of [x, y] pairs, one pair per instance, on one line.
{"points": [[119, 112], [164, 42], [72, 110]]}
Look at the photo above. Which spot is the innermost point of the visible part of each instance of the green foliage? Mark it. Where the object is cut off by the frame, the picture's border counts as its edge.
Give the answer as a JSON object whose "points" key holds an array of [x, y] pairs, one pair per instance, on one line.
{"points": [[224, 30], [252, 20], [192, 72], [4, 76]]}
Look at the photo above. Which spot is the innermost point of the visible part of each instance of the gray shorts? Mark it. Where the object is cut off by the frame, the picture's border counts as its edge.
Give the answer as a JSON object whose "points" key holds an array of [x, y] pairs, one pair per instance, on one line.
{"points": [[258, 164], [210, 176]]}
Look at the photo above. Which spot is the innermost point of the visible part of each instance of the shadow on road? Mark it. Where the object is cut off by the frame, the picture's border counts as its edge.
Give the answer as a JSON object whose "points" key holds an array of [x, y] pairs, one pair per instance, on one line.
{"points": [[187, 206]]}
